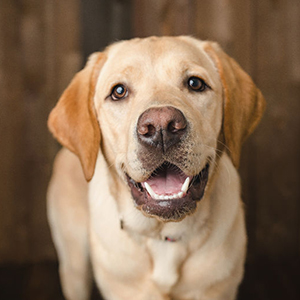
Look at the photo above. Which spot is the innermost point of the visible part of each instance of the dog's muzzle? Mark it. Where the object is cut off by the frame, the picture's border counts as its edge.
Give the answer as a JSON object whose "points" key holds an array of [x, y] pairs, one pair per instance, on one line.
{"points": [[168, 194]]}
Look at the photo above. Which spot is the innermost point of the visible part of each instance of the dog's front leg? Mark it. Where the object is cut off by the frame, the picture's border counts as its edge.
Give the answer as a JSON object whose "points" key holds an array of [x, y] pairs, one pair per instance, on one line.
{"points": [[68, 218]]}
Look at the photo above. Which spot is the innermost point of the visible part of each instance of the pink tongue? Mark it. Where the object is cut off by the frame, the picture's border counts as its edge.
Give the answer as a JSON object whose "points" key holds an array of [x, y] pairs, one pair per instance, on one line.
{"points": [[167, 181]]}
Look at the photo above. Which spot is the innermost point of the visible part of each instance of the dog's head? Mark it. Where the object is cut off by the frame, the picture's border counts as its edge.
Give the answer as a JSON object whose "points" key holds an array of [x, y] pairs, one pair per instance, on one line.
{"points": [[161, 110]]}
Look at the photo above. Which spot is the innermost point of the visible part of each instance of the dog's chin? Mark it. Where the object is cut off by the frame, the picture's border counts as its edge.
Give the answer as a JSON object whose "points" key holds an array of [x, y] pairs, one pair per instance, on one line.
{"points": [[168, 194]]}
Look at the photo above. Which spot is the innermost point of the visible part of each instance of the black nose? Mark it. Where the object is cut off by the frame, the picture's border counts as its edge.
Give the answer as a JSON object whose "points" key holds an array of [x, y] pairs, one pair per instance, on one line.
{"points": [[161, 127]]}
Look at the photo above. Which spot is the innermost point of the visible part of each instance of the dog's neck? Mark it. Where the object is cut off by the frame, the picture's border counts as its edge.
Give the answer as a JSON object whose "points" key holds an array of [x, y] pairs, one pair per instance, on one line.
{"points": [[171, 239]]}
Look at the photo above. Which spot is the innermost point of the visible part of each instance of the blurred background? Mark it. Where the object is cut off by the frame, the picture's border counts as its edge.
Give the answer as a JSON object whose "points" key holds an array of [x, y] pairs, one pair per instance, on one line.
{"points": [[44, 42]]}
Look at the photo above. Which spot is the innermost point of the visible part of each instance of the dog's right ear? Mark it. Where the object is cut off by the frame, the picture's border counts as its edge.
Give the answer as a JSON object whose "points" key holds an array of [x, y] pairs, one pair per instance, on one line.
{"points": [[73, 120]]}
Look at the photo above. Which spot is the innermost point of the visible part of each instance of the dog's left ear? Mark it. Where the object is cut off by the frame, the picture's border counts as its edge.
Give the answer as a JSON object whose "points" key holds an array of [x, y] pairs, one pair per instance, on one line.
{"points": [[244, 104], [73, 120]]}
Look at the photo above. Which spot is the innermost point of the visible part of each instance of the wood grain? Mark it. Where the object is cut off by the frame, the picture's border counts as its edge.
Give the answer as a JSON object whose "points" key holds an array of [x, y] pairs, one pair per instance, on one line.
{"points": [[42, 45]]}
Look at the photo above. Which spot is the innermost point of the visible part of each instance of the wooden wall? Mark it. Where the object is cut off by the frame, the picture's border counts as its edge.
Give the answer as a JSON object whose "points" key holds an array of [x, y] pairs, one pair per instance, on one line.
{"points": [[40, 50], [43, 43]]}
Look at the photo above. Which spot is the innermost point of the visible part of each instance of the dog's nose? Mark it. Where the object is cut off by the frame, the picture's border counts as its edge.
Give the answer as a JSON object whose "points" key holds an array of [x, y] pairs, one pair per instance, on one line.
{"points": [[161, 127]]}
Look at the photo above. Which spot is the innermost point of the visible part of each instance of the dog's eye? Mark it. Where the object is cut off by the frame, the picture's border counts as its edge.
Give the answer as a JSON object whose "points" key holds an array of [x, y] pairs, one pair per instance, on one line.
{"points": [[119, 92], [197, 84]]}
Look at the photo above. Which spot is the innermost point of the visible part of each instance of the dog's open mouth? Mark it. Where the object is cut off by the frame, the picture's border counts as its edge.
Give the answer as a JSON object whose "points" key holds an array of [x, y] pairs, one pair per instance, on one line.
{"points": [[168, 193]]}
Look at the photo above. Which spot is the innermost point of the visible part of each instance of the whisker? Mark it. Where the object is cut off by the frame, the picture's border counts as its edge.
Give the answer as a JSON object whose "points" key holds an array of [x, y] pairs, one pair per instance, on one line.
{"points": [[225, 146]]}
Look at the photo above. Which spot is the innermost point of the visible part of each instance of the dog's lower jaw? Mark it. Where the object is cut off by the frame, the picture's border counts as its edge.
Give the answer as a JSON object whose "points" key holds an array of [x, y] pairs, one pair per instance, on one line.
{"points": [[170, 208]]}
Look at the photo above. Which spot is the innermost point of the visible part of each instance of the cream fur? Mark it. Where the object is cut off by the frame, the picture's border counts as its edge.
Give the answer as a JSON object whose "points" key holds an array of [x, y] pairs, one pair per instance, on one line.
{"points": [[135, 262]]}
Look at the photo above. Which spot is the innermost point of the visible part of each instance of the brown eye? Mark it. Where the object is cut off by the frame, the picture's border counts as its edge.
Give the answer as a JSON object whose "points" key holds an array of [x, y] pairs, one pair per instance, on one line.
{"points": [[119, 92], [197, 84]]}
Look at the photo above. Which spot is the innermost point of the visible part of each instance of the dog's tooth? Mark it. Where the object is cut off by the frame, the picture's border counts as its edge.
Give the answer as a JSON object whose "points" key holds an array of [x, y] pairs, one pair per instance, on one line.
{"points": [[185, 185], [168, 197], [150, 191], [156, 197]]}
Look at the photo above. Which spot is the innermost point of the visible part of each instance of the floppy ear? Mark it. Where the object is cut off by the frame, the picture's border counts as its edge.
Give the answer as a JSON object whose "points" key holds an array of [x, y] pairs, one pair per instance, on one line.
{"points": [[73, 120], [244, 104]]}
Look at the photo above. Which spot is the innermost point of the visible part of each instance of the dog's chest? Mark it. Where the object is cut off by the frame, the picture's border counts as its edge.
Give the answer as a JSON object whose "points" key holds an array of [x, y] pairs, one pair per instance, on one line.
{"points": [[154, 266], [167, 258]]}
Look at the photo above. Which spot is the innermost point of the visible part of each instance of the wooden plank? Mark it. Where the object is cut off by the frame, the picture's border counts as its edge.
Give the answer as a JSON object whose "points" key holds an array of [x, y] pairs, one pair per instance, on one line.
{"points": [[13, 183], [146, 16], [229, 24], [138, 9], [39, 54], [104, 22], [163, 17], [213, 21], [56, 66], [277, 152], [176, 17], [34, 148]]}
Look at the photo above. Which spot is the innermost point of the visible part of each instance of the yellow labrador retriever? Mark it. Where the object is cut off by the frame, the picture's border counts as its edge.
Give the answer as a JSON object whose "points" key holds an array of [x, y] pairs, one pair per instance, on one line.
{"points": [[156, 125]]}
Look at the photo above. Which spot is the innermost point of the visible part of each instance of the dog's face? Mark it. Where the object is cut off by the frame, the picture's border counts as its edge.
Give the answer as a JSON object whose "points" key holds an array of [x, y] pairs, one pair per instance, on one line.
{"points": [[161, 105]]}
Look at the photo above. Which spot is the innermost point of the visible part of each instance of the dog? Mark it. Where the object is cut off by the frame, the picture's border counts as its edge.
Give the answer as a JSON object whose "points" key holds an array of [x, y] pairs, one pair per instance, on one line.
{"points": [[145, 194]]}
